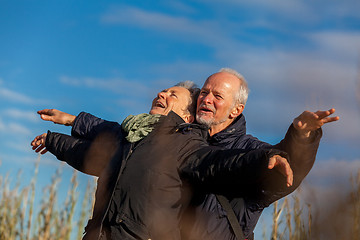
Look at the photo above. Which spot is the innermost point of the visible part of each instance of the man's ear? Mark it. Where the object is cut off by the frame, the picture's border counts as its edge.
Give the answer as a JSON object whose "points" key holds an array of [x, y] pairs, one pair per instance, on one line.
{"points": [[237, 110]]}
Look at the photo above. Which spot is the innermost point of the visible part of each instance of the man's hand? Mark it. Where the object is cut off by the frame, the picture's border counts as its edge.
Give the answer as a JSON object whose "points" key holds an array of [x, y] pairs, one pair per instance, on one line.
{"points": [[57, 117], [38, 144], [311, 121], [281, 165]]}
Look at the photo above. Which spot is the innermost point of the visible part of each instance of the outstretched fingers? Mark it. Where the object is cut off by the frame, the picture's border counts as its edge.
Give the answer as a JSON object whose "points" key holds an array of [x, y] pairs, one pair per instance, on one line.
{"points": [[324, 116], [41, 149], [46, 114], [57, 116], [331, 119], [311, 121], [38, 144]]}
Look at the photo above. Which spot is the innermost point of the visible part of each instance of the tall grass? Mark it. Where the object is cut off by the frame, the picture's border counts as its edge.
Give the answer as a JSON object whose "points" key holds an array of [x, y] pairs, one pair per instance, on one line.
{"points": [[24, 216], [337, 218], [355, 200]]}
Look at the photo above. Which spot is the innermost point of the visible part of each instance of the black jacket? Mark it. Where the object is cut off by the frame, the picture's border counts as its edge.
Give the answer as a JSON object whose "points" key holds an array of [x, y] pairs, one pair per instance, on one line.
{"points": [[209, 219], [144, 187]]}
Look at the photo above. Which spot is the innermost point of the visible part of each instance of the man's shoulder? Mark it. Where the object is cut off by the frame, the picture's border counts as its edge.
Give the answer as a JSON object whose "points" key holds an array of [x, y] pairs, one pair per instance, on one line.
{"points": [[248, 141]]}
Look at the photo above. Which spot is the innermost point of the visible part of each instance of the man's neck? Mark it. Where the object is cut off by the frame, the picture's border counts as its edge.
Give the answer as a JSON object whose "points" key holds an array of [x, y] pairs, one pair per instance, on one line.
{"points": [[219, 127]]}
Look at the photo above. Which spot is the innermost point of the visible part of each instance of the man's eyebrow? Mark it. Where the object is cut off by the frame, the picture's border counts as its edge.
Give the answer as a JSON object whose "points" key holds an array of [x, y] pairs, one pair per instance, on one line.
{"points": [[213, 91], [219, 92]]}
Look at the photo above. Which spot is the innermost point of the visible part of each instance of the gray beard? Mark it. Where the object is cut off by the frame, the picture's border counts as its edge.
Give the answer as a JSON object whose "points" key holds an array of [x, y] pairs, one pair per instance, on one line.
{"points": [[209, 123]]}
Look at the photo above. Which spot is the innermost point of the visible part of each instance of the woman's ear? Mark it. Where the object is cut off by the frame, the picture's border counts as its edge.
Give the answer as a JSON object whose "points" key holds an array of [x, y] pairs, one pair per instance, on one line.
{"points": [[188, 118]]}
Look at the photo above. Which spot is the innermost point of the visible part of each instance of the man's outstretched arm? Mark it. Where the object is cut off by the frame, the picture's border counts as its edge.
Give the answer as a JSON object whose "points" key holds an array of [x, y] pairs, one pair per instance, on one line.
{"points": [[232, 171]]}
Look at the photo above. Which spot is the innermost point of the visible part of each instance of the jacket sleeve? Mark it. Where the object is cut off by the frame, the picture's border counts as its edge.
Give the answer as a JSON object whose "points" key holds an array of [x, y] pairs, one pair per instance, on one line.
{"points": [[88, 126], [302, 153], [89, 157], [232, 172]]}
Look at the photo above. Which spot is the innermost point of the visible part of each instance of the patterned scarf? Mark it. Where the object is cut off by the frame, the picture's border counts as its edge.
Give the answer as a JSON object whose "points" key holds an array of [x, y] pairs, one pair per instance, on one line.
{"points": [[139, 126]]}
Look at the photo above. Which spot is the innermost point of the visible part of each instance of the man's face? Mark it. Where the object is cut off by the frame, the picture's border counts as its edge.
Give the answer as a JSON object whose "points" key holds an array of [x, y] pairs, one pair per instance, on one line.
{"points": [[174, 99], [217, 100]]}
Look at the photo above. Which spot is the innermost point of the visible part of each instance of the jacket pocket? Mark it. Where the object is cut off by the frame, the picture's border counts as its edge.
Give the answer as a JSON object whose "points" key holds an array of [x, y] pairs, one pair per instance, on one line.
{"points": [[123, 227]]}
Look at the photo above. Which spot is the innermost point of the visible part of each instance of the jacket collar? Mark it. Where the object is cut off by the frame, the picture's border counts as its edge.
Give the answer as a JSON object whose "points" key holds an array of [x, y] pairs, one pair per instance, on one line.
{"points": [[236, 128], [173, 119], [181, 126]]}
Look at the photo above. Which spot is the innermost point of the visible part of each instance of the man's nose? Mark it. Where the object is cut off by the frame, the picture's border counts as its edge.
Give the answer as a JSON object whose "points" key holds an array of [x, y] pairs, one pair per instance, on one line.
{"points": [[208, 98]]}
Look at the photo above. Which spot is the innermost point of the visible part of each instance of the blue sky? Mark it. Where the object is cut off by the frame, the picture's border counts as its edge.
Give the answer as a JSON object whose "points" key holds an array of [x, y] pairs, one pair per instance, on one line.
{"points": [[110, 58]]}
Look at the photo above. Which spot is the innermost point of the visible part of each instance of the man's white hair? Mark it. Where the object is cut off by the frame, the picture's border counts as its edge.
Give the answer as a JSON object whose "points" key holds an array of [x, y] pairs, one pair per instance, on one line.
{"points": [[241, 96]]}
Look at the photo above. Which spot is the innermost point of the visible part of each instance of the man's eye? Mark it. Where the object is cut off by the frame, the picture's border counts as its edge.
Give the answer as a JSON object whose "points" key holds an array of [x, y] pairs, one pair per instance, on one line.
{"points": [[218, 96], [173, 95]]}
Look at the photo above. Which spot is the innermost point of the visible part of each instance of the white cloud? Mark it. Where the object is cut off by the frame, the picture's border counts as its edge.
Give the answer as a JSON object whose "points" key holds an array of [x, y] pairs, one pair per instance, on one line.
{"points": [[334, 170], [337, 9], [277, 7], [133, 107], [115, 85], [220, 33], [346, 44], [296, 11], [22, 115], [297, 74], [2, 125], [177, 71], [20, 145], [180, 6], [14, 129], [15, 96], [126, 15], [209, 32]]}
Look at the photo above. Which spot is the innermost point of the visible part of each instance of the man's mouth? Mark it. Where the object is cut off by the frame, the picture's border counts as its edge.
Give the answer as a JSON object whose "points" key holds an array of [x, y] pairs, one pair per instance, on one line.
{"points": [[206, 109]]}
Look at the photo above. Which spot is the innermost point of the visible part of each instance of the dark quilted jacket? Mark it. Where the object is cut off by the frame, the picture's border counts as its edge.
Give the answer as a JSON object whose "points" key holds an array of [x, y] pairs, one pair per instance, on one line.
{"points": [[144, 187], [207, 217]]}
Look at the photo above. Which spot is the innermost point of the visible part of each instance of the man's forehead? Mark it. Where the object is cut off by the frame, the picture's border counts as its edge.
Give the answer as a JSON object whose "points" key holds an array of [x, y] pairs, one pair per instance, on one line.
{"points": [[221, 86], [222, 82]]}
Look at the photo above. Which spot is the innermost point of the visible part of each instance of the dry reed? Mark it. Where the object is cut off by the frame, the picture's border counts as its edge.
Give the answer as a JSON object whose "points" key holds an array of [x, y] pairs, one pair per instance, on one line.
{"points": [[27, 216], [341, 221], [19, 219]]}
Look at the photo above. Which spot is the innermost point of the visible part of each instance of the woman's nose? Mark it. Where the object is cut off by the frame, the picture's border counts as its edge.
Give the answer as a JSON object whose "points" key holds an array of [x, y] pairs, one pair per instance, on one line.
{"points": [[161, 95]]}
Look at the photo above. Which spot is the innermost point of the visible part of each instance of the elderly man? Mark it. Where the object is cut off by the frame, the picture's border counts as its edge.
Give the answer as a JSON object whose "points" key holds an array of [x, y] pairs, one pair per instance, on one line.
{"points": [[220, 105], [145, 165]]}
